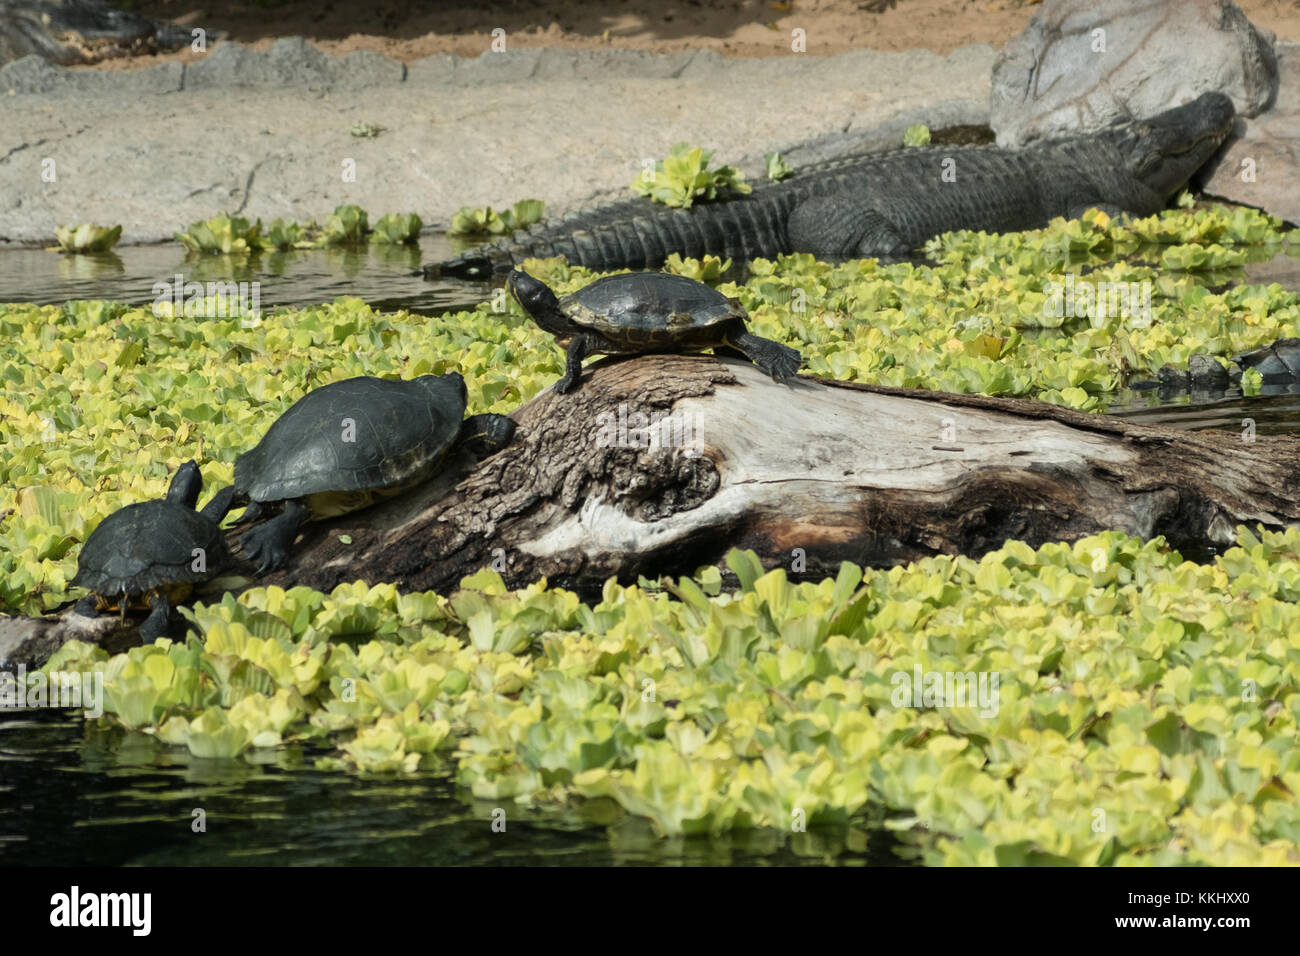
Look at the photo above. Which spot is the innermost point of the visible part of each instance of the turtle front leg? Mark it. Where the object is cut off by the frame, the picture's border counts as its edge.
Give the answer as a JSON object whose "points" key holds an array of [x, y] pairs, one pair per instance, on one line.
{"points": [[579, 348], [268, 544], [487, 434], [220, 505], [777, 360], [160, 613], [89, 606]]}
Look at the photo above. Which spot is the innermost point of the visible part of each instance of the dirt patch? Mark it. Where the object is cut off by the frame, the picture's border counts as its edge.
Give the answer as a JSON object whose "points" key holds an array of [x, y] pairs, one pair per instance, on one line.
{"points": [[408, 30]]}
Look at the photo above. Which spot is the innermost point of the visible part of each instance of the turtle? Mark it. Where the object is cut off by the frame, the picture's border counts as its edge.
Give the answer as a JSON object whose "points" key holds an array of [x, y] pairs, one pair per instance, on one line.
{"points": [[340, 447], [639, 312], [150, 553]]}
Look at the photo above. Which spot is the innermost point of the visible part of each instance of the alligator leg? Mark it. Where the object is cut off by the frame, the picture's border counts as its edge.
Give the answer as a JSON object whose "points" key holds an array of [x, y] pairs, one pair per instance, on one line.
{"points": [[268, 544], [579, 348], [777, 360], [842, 226], [160, 612], [487, 434]]}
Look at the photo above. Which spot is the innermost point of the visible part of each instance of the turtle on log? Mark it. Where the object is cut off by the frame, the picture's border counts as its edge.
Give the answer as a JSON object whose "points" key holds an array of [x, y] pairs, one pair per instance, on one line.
{"points": [[640, 312], [340, 447], [149, 554]]}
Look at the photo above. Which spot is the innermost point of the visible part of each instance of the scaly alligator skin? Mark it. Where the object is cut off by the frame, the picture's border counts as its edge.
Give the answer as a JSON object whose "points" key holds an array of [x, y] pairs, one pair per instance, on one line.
{"points": [[886, 204], [80, 31]]}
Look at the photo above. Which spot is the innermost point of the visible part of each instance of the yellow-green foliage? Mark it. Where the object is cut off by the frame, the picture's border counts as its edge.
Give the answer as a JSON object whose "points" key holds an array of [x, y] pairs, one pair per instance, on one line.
{"points": [[87, 237], [1145, 711], [101, 403], [683, 178]]}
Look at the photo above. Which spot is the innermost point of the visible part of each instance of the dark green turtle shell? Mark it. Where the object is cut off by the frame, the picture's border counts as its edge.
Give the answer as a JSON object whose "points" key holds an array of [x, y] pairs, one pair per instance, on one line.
{"points": [[653, 307], [149, 545], [1280, 359], [400, 430]]}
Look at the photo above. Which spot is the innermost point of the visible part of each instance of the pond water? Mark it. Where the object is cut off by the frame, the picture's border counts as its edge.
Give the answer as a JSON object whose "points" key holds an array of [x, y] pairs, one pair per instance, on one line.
{"points": [[72, 793], [381, 275]]}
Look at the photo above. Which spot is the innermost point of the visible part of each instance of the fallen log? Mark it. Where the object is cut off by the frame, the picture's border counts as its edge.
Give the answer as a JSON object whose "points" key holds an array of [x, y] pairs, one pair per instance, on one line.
{"points": [[661, 464]]}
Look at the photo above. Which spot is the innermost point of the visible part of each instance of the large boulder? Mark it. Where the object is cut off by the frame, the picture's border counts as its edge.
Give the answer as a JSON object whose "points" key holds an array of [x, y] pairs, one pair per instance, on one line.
{"points": [[1261, 167], [1082, 63]]}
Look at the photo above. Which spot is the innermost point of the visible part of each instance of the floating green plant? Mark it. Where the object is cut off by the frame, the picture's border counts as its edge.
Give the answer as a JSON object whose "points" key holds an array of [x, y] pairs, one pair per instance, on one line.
{"points": [[486, 221], [683, 178], [87, 237], [222, 235], [918, 135], [777, 168], [1100, 702], [397, 229]]}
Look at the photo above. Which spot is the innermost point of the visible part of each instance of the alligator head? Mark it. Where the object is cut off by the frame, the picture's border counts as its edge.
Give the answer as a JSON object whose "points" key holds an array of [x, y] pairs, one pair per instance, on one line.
{"points": [[1163, 152], [80, 31]]}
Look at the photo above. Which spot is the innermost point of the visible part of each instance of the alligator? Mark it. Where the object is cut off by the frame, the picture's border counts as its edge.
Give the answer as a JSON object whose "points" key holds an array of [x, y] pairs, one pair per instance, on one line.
{"points": [[886, 204], [1277, 363], [80, 31]]}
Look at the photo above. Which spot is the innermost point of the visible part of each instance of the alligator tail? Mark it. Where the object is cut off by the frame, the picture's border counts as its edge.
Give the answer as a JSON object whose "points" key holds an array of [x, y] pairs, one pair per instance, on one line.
{"points": [[636, 236]]}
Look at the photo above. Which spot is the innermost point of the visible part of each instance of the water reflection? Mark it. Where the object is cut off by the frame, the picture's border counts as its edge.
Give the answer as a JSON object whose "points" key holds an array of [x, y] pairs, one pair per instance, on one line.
{"points": [[379, 274], [72, 792]]}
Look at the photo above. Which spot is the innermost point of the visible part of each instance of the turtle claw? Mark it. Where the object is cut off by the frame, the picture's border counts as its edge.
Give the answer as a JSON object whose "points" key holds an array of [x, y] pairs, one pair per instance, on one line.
{"points": [[268, 544], [261, 549], [779, 361]]}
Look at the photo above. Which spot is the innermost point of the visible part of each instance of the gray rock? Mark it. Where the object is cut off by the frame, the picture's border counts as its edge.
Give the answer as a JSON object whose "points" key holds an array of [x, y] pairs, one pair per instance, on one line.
{"points": [[568, 129], [702, 64], [291, 62], [1261, 167], [508, 66], [558, 63], [1082, 63], [437, 70], [365, 68], [36, 75]]}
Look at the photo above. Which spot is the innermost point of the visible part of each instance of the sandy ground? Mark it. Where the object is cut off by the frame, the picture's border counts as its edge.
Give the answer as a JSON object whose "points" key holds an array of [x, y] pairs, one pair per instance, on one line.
{"points": [[407, 30]]}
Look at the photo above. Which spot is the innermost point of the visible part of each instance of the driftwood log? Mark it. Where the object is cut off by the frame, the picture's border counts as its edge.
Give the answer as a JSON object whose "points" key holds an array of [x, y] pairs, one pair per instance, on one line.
{"points": [[661, 464]]}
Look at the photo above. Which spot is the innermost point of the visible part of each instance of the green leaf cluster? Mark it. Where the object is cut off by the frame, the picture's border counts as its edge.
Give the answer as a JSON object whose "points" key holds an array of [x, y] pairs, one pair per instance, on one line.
{"points": [[87, 237], [348, 225], [683, 178], [485, 221], [1145, 710]]}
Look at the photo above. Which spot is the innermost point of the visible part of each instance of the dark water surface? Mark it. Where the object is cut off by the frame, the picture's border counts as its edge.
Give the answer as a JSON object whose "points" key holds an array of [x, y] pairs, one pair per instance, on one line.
{"points": [[74, 794]]}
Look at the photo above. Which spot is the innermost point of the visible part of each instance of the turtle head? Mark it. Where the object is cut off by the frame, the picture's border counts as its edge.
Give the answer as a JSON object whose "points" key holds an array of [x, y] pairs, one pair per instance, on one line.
{"points": [[446, 388], [1165, 151], [537, 299], [186, 485]]}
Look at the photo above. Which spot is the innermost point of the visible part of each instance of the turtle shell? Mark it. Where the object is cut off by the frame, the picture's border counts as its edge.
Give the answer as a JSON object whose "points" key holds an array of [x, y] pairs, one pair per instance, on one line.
{"points": [[361, 434], [1278, 360], [149, 545], [653, 308]]}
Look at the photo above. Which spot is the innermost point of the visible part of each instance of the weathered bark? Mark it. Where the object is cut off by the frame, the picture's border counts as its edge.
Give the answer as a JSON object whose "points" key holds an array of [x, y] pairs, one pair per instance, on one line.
{"points": [[842, 471]]}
